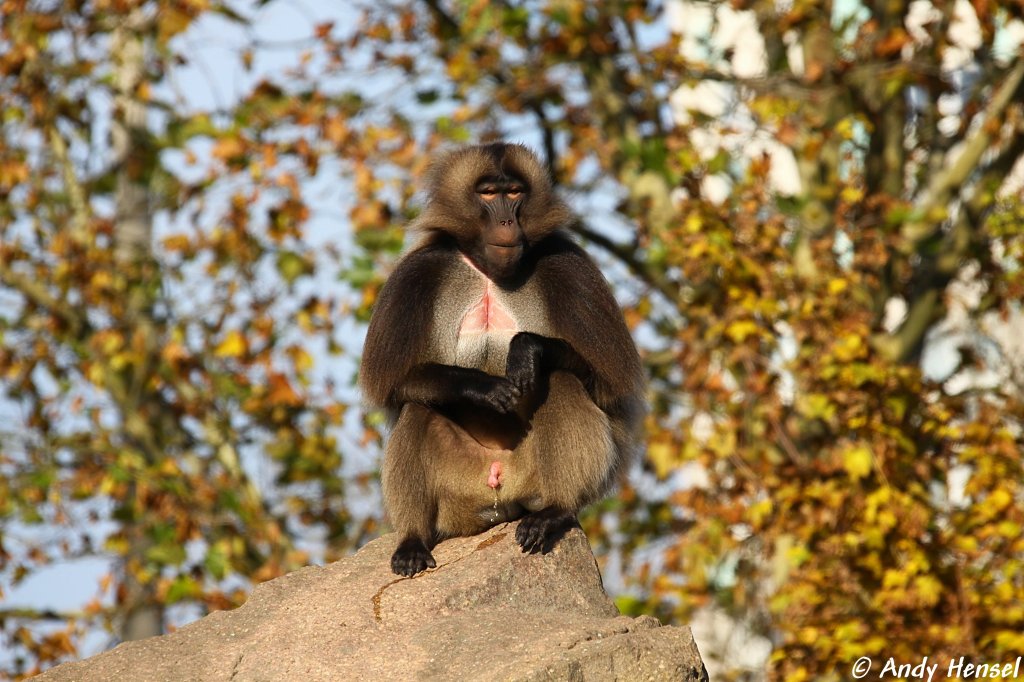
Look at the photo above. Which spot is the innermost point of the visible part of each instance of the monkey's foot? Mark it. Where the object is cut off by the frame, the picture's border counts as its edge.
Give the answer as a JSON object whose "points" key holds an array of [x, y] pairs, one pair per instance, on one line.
{"points": [[411, 557], [541, 530]]}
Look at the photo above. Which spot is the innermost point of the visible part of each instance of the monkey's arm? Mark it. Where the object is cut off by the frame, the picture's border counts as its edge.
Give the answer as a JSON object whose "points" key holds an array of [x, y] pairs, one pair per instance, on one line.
{"points": [[437, 385], [586, 316], [531, 356], [401, 324]]}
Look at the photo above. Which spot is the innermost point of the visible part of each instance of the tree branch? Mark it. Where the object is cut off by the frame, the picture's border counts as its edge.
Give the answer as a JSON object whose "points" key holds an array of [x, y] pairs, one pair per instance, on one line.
{"points": [[938, 270], [37, 293], [448, 25], [937, 195], [653, 276], [28, 613], [79, 205], [907, 342], [995, 174]]}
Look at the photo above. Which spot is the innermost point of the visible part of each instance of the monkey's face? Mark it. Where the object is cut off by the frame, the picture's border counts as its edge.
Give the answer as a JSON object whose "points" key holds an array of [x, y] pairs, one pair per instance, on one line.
{"points": [[502, 240], [495, 201]]}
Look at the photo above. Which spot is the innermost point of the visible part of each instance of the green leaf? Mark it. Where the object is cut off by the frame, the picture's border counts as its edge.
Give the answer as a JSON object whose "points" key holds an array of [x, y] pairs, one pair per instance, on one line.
{"points": [[184, 587], [166, 554], [291, 266], [428, 96], [216, 562]]}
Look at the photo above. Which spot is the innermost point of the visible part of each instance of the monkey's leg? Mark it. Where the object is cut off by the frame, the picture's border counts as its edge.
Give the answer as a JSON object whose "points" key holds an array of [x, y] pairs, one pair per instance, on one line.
{"points": [[407, 490], [573, 450]]}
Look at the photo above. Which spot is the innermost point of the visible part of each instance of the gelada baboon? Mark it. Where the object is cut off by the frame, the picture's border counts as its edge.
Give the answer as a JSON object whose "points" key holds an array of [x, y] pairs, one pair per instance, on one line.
{"points": [[511, 381]]}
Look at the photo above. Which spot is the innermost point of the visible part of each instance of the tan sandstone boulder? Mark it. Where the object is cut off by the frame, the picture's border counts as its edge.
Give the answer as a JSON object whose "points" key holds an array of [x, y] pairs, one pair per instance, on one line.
{"points": [[487, 612]]}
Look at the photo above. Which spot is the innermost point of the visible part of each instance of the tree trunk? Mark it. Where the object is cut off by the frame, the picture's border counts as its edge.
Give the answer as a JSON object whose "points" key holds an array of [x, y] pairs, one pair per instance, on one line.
{"points": [[144, 614]]}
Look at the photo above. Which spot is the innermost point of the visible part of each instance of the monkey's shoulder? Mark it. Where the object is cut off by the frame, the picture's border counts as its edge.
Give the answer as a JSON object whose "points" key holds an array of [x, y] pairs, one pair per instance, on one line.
{"points": [[583, 311], [559, 243], [563, 271], [427, 263]]}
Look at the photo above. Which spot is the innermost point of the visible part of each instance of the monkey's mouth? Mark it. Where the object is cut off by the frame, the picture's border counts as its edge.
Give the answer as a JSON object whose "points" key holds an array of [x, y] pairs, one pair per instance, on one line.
{"points": [[504, 252], [502, 259]]}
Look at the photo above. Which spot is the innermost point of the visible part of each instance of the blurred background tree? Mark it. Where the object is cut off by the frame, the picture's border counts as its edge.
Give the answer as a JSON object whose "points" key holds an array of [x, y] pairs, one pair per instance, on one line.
{"points": [[157, 327], [809, 211]]}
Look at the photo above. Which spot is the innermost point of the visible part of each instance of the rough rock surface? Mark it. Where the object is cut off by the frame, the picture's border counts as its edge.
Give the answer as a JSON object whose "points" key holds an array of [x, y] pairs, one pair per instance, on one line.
{"points": [[487, 612]]}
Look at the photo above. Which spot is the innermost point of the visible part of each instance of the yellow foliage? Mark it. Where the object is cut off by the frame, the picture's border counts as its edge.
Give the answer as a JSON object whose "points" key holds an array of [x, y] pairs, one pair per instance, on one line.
{"points": [[845, 128], [1012, 642], [662, 456], [739, 330], [759, 511], [172, 21], [849, 347], [301, 359], [798, 555], [116, 544], [102, 279], [234, 345], [1011, 530], [176, 242], [857, 462], [94, 372], [852, 195], [999, 500], [929, 589]]}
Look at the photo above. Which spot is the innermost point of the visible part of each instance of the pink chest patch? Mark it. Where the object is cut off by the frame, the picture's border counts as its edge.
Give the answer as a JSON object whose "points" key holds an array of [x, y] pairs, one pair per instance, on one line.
{"points": [[487, 314]]}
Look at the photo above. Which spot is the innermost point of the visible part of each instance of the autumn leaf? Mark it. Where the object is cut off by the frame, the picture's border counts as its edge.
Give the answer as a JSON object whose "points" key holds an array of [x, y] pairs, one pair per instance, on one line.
{"points": [[857, 462], [281, 392], [234, 345], [229, 149], [661, 455]]}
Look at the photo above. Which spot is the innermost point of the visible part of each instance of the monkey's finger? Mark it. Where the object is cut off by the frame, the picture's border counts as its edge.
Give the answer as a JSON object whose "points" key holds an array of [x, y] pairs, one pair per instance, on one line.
{"points": [[505, 398], [536, 546], [530, 536], [523, 384], [410, 566]]}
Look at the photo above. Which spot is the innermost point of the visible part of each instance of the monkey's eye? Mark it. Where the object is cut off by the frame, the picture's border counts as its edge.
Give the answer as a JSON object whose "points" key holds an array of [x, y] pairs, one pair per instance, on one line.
{"points": [[514, 192], [487, 193]]}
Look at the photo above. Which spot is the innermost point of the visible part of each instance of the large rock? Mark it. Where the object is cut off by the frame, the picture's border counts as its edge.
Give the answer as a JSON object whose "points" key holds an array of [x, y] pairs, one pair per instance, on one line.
{"points": [[487, 612]]}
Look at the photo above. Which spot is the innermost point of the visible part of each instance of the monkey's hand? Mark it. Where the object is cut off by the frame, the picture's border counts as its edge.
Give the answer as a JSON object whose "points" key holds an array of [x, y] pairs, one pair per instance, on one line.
{"points": [[523, 366], [411, 557], [497, 393], [532, 357], [437, 385]]}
